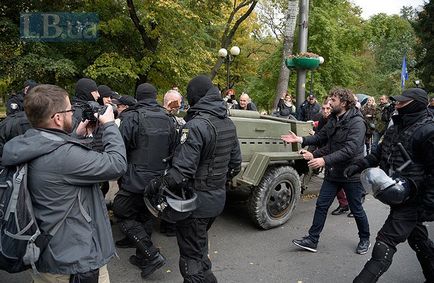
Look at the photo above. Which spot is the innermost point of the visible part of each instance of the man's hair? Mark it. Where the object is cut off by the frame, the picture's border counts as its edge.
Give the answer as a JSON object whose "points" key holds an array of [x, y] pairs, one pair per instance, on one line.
{"points": [[345, 95], [170, 95], [249, 100], [42, 102]]}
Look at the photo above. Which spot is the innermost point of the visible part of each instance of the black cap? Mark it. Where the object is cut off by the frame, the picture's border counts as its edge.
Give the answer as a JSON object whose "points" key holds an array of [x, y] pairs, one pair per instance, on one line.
{"points": [[125, 100], [197, 88], [311, 96], [84, 87], [416, 94], [146, 90], [105, 91]]}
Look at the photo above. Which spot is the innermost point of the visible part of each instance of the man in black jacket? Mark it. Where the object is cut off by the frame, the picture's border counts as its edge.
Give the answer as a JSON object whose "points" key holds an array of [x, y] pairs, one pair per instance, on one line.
{"points": [[308, 109], [15, 103], [207, 155], [413, 128], [86, 91], [343, 137], [149, 137]]}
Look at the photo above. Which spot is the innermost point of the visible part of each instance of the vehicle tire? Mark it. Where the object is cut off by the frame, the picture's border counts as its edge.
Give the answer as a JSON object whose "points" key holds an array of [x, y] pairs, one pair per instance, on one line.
{"points": [[272, 202]]}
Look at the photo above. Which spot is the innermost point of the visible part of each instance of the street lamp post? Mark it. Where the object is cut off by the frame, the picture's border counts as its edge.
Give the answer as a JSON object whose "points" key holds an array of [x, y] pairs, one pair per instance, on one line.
{"points": [[229, 57]]}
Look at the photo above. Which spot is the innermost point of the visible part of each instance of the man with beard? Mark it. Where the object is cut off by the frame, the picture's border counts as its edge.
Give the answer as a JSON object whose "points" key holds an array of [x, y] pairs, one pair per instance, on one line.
{"points": [[208, 154], [343, 137], [63, 178], [413, 128]]}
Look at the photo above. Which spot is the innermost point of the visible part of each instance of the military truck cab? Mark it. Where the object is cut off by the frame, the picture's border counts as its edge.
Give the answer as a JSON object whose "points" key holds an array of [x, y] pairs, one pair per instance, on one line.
{"points": [[271, 168]]}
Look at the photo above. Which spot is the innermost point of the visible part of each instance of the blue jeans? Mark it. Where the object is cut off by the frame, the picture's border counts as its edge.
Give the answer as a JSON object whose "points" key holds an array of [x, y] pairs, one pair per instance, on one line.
{"points": [[327, 194]]}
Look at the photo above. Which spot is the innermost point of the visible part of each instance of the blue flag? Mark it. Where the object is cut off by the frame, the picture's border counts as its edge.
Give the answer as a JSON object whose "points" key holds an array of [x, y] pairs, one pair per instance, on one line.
{"points": [[404, 72]]}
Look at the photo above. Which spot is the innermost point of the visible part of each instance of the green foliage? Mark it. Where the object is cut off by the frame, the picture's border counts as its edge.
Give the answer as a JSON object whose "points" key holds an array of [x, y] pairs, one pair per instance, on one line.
{"points": [[425, 51]]}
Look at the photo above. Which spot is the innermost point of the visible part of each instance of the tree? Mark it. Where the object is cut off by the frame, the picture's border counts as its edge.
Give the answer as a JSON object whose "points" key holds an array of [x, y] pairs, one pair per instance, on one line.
{"points": [[425, 52], [288, 43]]}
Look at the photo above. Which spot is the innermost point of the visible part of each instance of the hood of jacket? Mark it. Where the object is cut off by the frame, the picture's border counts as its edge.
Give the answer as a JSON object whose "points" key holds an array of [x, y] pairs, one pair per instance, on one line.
{"points": [[211, 103], [34, 143]]}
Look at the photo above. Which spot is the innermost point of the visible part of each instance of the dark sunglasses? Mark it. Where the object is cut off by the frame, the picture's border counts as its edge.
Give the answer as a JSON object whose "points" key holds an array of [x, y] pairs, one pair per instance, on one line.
{"points": [[64, 111]]}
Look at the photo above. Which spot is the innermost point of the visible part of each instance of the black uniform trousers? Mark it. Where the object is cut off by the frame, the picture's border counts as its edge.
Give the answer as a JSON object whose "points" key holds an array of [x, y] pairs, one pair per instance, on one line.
{"points": [[403, 224], [192, 237], [134, 217]]}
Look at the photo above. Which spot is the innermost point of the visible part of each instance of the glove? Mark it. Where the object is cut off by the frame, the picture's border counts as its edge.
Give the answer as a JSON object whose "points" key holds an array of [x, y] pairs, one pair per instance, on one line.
{"points": [[351, 170], [153, 186]]}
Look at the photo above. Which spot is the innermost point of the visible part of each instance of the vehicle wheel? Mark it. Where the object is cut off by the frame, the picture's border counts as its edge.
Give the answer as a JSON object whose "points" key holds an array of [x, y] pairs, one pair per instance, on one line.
{"points": [[272, 202]]}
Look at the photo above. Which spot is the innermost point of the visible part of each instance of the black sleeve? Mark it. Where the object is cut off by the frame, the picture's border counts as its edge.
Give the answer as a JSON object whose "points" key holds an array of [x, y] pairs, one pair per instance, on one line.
{"points": [[128, 128]]}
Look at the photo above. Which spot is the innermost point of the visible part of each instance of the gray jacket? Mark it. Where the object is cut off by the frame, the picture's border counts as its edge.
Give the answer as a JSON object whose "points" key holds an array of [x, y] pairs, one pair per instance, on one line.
{"points": [[62, 179]]}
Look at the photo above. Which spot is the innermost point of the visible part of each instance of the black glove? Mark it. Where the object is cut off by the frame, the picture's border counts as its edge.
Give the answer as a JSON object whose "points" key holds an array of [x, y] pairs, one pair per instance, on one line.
{"points": [[352, 170], [153, 186]]}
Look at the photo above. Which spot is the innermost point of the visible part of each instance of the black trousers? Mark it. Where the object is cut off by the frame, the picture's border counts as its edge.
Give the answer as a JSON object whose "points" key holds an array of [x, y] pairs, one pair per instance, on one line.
{"points": [[134, 216], [192, 237], [402, 225]]}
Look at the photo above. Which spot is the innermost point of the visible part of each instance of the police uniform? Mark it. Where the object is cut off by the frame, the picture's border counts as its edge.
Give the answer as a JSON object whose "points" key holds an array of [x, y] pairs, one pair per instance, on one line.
{"points": [[414, 128], [13, 125], [208, 152], [149, 137]]}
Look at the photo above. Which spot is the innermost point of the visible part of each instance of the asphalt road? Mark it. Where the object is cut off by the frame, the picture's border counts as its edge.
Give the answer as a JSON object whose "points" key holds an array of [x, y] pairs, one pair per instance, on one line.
{"points": [[242, 253]]}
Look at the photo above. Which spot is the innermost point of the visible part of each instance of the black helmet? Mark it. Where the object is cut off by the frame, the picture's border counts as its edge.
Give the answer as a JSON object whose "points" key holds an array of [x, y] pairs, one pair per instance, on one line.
{"points": [[385, 189], [171, 205]]}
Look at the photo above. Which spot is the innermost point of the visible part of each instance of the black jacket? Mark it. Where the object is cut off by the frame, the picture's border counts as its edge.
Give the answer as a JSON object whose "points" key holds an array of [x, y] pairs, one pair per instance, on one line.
{"points": [[307, 111], [344, 144], [196, 139], [13, 125], [148, 143], [15, 104], [422, 152]]}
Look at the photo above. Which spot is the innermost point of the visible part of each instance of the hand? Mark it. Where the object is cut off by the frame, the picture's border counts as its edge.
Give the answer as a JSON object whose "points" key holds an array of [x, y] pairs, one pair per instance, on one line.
{"points": [[306, 154], [108, 115], [291, 137], [316, 163], [84, 129], [351, 170]]}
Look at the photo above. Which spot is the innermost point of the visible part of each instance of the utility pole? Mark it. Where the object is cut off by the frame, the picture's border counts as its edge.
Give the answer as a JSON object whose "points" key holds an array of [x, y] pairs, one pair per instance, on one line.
{"points": [[302, 47]]}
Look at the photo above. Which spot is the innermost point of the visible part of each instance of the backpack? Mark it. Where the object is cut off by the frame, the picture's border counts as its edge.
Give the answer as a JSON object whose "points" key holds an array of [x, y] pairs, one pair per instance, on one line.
{"points": [[21, 240]]}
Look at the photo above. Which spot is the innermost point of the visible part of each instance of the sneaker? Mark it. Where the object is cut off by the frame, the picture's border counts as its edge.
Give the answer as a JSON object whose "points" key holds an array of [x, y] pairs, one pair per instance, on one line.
{"points": [[351, 215], [340, 210], [363, 247], [148, 266], [125, 243], [306, 243]]}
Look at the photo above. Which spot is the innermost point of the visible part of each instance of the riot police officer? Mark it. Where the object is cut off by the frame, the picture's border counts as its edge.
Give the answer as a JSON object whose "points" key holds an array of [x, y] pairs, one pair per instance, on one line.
{"points": [[208, 153], [149, 136], [408, 143], [15, 103]]}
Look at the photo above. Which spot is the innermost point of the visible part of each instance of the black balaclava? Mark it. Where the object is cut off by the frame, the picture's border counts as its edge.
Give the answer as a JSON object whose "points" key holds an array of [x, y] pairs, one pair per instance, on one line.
{"points": [[146, 90], [83, 89], [413, 107], [197, 88]]}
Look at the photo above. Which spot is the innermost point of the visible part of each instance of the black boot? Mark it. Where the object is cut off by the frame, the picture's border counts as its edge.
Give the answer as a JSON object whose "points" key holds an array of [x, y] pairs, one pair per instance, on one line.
{"points": [[148, 264], [125, 243]]}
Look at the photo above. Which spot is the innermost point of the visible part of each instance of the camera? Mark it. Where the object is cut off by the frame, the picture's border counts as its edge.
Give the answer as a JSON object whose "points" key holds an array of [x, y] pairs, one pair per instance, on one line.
{"points": [[90, 108]]}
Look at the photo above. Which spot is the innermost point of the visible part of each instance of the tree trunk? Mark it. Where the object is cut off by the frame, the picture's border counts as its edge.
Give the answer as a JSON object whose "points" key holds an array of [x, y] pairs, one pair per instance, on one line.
{"points": [[288, 44], [231, 28]]}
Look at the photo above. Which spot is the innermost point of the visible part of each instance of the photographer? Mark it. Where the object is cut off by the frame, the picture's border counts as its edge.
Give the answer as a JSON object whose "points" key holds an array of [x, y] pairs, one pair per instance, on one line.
{"points": [[63, 178], [86, 91]]}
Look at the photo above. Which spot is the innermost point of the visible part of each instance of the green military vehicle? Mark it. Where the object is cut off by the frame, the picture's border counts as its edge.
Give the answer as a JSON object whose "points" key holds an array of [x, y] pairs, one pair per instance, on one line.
{"points": [[271, 168]]}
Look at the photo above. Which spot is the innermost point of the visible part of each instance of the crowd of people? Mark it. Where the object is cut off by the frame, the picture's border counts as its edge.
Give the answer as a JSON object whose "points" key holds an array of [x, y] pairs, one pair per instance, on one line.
{"points": [[176, 169]]}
